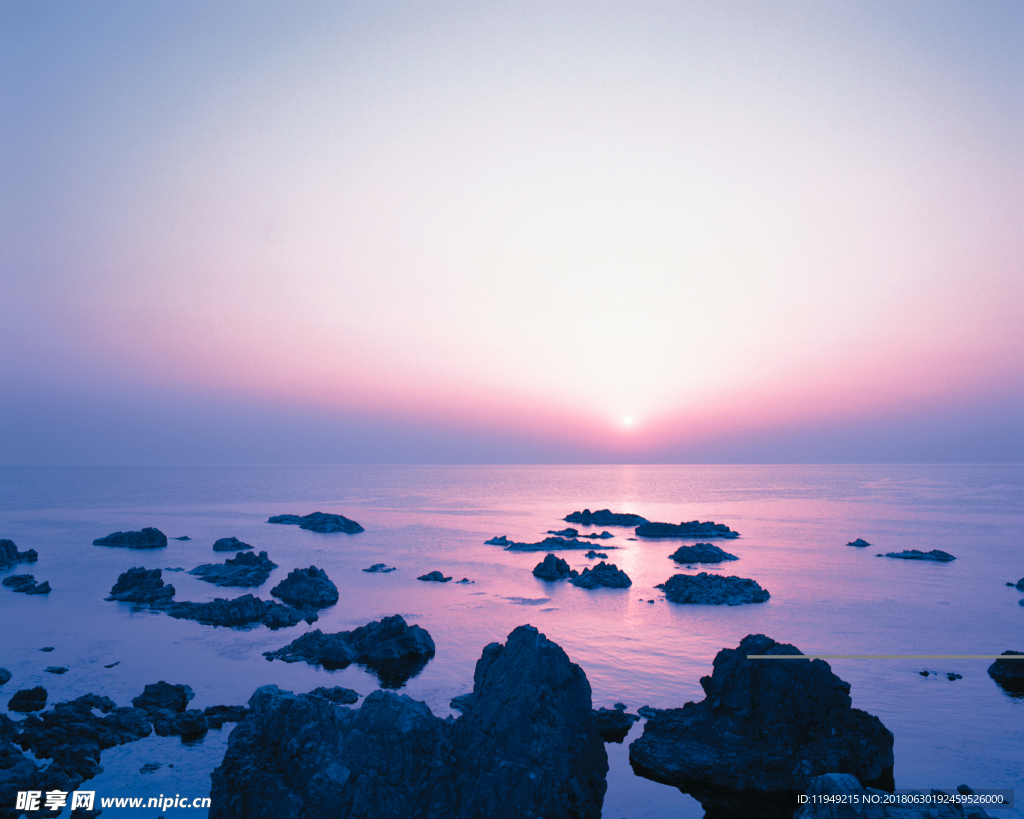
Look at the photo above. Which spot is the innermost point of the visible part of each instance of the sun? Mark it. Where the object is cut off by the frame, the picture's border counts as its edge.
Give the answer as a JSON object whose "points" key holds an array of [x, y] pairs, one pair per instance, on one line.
{"points": [[627, 420]]}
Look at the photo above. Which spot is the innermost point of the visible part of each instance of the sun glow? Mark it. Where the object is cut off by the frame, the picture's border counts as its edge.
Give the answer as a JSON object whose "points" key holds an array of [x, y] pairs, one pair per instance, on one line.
{"points": [[627, 421]]}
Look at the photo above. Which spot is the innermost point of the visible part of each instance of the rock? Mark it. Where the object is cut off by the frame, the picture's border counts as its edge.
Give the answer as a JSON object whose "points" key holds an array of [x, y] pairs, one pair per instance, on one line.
{"points": [[548, 544], [217, 715], [858, 542], [339, 695], [914, 554], [575, 533], [500, 540], [244, 569], [139, 585], [26, 584], [186, 724], [593, 554], [380, 568], [951, 676], [230, 544], [5, 676], [46, 648], [104, 704], [603, 574], [183, 537], [113, 664], [553, 568], [148, 538], [465, 580], [28, 699], [163, 696], [686, 530], [391, 648], [435, 577], [462, 702], [239, 611], [56, 669], [10, 556], [765, 729], [1019, 585], [150, 767], [701, 553], [603, 517], [613, 724], [712, 590], [841, 796], [307, 589], [320, 522], [1009, 673], [923, 673]]}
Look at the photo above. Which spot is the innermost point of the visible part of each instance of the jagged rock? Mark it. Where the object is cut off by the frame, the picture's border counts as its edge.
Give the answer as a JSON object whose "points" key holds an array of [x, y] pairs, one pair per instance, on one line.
{"points": [[162, 696], [500, 540], [391, 648], [187, 724], [139, 585], [462, 702], [553, 568], [307, 589], [10, 556], [322, 522], [914, 554], [764, 730], [244, 569], [240, 611], [614, 723], [687, 530], [527, 748], [104, 704], [5, 676], [575, 533], [603, 574], [28, 699], [342, 696], [858, 542], [380, 568], [217, 715], [148, 538], [434, 577], [593, 554], [26, 584], [701, 553], [547, 544], [1009, 673], [841, 796], [604, 517], [230, 544], [712, 590], [56, 669]]}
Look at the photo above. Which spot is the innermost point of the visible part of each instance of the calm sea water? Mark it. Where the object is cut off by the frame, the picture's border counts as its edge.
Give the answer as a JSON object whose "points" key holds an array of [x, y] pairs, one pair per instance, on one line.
{"points": [[793, 520]]}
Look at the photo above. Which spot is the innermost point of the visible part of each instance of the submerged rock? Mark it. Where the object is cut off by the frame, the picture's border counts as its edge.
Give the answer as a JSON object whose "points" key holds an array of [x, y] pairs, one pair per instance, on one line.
{"points": [[244, 569], [914, 554], [614, 723], [229, 544], [380, 568], [162, 696], [603, 574], [604, 517], [322, 522], [553, 568], [686, 530], [858, 542], [10, 556], [701, 553], [56, 669], [26, 584], [712, 590], [434, 577], [139, 585], [28, 699], [342, 696], [148, 538], [1009, 673], [307, 588]]}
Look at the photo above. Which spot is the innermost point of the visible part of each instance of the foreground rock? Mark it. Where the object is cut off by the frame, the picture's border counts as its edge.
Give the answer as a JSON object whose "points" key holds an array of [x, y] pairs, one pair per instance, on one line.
{"points": [[553, 568], [322, 522], [692, 529], [163, 696], [307, 589], [548, 544], [246, 610], [139, 585], [391, 648], [712, 590], [1009, 673], [701, 553], [26, 584], [148, 538], [434, 577], [527, 747], [914, 554], [230, 544], [614, 723], [764, 730], [603, 574], [28, 699], [245, 569], [604, 517], [841, 796], [10, 556], [859, 543]]}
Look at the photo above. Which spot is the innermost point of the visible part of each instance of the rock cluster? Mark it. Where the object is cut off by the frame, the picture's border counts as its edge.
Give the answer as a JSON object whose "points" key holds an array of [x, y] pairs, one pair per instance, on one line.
{"points": [[593, 554], [603, 574], [26, 584], [1009, 673], [701, 553], [307, 589], [553, 568], [604, 517], [229, 544], [148, 538], [321, 522], [10, 556], [245, 569], [712, 590], [614, 723], [526, 747], [692, 529], [549, 543], [915, 554], [575, 533], [139, 585]]}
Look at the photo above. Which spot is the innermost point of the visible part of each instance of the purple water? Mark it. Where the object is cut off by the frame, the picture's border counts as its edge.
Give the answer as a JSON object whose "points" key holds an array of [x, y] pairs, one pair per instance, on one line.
{"points": [[794, 522]]}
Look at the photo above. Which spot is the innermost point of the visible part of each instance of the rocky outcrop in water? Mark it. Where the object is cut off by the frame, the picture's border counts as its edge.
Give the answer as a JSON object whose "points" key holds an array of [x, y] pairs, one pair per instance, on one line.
{"points": [[148, 538], [239, 611], [553, 568], [26, 584], [614, 723], [712, 590], [841, 796], [686, 530], [527, 748], [28, 699], [914, 554], [245, 569], [10, 556], [5, 676], [603, 574], [765, 729], [434, 577], [548, 544], [701, 553], [307, 589], [230, 544], [380, 568], [593, 554], [604, 517], [139, 585], [1009, 673], [322, 522], [575, 533], [162, 696], [859, 543]]}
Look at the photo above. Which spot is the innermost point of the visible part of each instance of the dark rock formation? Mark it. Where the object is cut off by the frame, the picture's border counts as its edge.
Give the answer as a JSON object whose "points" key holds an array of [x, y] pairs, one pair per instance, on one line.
{"points": [[548, 544], [434, 577], [391, 648], [307, 589], [553, 568], [186, 724], [858, 542], [1009, 673], [217, 715], [462, 702], [603, 574], [712, 590], [914, 554], [5, 676], [320, 522], [148, 538], [339, 695], [764, 730], [104, 704], [183, 537], [240, 611], [244, 569], [614, 723], [603, 517], [26, 584], [1019, 586], [527, 748], [686, 530], [56, 669], [163, 696], [841, 796], [230, 544], [139, 585], [575, 533], [10, 556], [593, 554], [701, 553], [380, 568], [28, 699]]}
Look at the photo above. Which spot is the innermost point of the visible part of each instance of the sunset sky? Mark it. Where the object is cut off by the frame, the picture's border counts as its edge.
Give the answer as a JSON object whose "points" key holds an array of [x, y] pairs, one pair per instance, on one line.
{"points": [[511, 232]]}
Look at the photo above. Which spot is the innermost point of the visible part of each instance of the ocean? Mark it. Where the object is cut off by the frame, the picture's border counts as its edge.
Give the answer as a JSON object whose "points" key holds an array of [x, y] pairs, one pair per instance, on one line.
{"points": [[794, 522]]}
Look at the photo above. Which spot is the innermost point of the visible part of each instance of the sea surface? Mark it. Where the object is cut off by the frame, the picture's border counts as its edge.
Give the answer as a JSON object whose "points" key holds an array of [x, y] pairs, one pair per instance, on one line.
{"points": [[794, 521]]}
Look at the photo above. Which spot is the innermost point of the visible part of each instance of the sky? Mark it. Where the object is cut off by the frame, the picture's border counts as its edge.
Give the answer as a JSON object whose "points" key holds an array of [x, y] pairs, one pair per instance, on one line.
{"points": [[531, 232]]}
